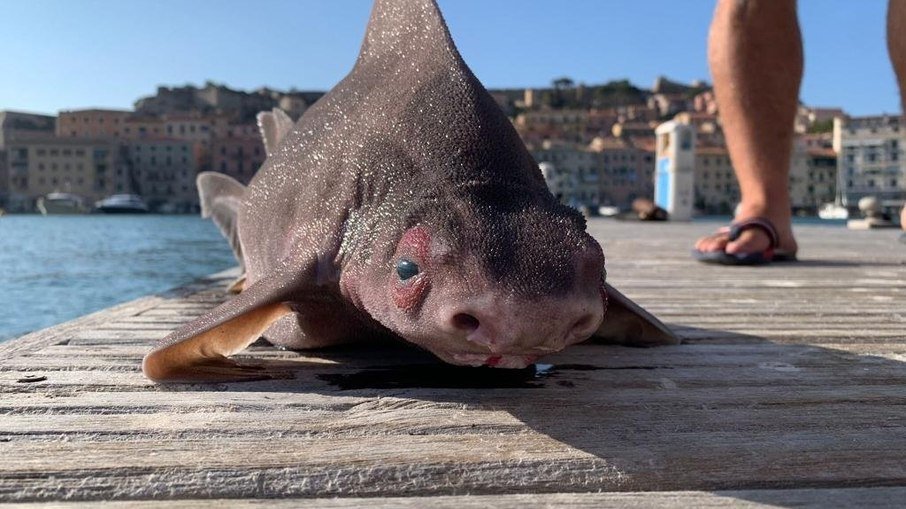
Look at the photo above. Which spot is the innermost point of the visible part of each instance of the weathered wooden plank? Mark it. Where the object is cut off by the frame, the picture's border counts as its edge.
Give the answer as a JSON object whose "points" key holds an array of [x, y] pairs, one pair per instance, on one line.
{"points": [[891, 497], [439, 464]]}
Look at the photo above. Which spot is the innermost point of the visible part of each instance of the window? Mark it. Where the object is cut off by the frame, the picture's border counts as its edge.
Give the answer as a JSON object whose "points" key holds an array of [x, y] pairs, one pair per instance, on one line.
{"points": [[686, 140]]}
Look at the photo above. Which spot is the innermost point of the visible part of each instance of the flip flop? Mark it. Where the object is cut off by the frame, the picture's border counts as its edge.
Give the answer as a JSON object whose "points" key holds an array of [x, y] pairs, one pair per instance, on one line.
{"points": [[771, 254]]}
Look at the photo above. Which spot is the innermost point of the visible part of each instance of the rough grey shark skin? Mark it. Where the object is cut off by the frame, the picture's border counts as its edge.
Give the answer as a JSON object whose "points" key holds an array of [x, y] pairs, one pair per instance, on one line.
{"points": [[407, 161]]}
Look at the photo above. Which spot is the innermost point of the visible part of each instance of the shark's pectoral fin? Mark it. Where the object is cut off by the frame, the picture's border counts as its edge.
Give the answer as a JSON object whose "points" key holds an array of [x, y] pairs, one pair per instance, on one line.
{"points": [[626, 323], [199, 351], [221, 198], [274, 126], [205, 357]]}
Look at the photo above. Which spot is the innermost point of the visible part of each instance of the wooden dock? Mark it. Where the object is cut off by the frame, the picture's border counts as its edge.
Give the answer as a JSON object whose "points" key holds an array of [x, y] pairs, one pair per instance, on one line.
{"points": [[790, 390]]}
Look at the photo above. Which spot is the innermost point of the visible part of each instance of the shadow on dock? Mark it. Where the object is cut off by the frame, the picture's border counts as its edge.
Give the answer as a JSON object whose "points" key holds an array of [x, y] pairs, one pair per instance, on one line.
{"points": [[742, 414]]}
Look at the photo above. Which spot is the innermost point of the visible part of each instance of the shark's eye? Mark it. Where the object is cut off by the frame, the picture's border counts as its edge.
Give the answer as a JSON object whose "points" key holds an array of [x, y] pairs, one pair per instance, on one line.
{"points": [[406, 269]]}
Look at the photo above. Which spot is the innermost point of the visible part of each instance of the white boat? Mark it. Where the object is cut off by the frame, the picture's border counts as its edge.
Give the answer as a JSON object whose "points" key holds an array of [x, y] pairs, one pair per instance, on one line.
{"points": [[833, 211], [61, 203], [837, 209], [122, 204], [608, 211]]}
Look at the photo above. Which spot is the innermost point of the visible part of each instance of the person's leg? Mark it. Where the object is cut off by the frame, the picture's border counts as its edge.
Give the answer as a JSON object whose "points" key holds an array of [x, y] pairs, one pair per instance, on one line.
{"points": [[896, 46], [755, 53]]}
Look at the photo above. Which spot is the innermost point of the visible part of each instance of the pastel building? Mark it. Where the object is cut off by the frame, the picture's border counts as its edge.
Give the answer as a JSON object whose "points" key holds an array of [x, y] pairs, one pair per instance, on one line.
{"points": [[870, 158], [139, 127], [240, 154], [89, 168], [811, 181], [91, 123], [17, 125], [164, 171], [608, 171]]}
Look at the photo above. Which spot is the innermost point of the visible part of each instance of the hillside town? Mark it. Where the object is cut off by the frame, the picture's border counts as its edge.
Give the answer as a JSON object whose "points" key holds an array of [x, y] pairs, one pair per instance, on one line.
{"points": [[597, 146]]}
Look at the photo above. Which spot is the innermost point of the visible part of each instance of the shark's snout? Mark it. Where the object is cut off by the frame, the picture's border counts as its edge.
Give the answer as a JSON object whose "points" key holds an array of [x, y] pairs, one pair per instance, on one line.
{"points": [[494, 321], [512, 325]]}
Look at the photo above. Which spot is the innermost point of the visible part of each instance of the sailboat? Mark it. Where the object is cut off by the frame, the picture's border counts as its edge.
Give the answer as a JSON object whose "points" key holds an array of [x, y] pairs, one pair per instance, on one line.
{"points": [[837, 209]]}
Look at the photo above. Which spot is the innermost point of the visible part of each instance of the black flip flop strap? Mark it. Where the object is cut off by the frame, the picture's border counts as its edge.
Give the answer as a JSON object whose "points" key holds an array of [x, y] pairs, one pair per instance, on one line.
{"points": [[760, 223]]}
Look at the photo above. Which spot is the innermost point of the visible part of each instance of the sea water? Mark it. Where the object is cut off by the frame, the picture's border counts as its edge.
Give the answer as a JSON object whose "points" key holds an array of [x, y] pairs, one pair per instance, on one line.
{"points": [[57, 268]]}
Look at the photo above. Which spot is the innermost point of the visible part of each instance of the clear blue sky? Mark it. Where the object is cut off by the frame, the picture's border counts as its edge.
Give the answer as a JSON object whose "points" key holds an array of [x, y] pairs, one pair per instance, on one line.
{"points": [[62, 54]]}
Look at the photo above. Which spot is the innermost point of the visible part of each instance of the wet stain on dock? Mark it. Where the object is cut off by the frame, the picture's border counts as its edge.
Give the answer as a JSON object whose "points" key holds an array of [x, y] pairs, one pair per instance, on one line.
{"points": [[444, 376]]}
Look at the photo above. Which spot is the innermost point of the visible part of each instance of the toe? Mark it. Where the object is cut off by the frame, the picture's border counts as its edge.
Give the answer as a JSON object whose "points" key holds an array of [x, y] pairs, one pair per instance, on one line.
{"points": [[711, 243], [750, 241]]}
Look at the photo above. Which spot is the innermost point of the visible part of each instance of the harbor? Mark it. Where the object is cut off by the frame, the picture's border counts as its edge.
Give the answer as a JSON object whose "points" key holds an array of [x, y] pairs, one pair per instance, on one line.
{"points": [[789, 389]]}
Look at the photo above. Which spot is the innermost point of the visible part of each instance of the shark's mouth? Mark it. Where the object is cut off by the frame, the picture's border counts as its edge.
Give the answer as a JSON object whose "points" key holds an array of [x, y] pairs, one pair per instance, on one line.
{"points": [[511, 361]]}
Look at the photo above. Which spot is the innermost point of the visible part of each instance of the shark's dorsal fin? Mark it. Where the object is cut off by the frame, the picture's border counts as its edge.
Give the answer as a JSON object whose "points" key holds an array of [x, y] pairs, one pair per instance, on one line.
{"points": [[221, 199], [406, 29], [274, 126]]}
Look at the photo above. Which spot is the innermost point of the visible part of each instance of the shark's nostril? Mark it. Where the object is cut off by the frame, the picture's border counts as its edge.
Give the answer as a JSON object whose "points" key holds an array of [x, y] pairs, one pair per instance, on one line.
{"points": [[465, 322]]}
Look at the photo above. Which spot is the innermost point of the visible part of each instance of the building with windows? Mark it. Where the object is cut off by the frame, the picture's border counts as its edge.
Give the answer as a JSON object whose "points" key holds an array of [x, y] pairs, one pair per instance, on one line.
{"points": [[90, 168], [239, 153], [138, 127], [716, 187], [579, 191], [164, 171], [573, 125], [92, 123], [812, 179], [608, 171], [870, 158], [17, 125], [189, 127]]}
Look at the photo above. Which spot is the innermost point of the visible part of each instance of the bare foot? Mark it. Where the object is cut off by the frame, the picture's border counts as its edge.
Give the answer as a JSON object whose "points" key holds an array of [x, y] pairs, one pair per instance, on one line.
{"points": [[753, 240]]}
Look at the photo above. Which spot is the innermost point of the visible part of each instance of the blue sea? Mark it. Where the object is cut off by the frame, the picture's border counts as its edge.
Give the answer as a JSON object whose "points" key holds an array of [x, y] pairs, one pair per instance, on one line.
{"points": [[56, 268]]}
